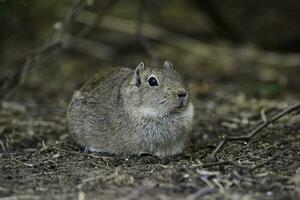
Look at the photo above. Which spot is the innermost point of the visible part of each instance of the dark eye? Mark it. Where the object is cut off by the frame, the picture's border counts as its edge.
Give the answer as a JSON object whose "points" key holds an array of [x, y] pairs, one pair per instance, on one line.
{"points": [[152, 82]]}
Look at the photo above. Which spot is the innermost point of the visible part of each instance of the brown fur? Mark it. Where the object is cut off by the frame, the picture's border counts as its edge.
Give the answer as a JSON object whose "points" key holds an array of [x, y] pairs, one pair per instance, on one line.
{"points": [[117, 111]]}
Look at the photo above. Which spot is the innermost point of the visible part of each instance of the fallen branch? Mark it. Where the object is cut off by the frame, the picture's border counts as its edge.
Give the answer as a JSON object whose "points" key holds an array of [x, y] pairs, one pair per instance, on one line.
{"points": [[257, 129], [237, 165], [88, 47], [140, 33], [226, 54], [54, 41], [104, 10]]}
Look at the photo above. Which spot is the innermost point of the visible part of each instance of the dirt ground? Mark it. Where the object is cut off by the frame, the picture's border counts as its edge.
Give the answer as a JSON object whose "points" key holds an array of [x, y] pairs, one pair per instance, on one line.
{"points": [[39, 161]]}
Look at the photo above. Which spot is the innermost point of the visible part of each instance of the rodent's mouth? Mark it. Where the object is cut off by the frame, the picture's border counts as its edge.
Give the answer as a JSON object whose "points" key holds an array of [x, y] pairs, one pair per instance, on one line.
{"points": [[175, 105], [178, 109], [181, 105]]}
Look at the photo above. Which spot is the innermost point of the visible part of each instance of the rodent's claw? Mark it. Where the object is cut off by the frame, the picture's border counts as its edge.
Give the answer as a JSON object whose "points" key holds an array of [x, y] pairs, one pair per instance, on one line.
{"points": [[144, 154], [87, 150]]}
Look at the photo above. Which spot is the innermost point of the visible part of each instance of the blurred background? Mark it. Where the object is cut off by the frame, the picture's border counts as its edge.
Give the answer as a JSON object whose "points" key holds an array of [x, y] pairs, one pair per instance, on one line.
{"points": [[240, 59], [49, 48]]}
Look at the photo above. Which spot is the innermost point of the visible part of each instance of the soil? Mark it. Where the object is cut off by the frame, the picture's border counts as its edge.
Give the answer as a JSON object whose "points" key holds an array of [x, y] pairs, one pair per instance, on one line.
{"points": [[38, 160]]}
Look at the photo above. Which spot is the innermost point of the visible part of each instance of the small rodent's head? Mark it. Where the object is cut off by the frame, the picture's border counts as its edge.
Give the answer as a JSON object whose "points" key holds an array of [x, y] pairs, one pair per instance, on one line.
{"points": [[157, 90]]}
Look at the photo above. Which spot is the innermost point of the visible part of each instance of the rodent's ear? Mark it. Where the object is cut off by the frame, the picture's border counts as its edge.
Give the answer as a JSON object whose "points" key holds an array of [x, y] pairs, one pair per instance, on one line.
{"points": [[137, 74], [168, 64]]}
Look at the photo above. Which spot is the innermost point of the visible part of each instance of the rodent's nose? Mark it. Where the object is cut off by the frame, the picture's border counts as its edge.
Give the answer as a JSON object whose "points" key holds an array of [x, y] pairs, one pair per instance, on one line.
{"points": [[181, 94]]}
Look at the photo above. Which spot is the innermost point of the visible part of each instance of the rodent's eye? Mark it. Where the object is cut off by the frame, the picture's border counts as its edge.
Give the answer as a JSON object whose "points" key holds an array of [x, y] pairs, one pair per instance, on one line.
{"points": [[152, 81]]}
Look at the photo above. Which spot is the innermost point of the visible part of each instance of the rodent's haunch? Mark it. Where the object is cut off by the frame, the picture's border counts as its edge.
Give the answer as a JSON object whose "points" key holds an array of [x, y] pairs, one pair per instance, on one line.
{"points": [[125, 111]]}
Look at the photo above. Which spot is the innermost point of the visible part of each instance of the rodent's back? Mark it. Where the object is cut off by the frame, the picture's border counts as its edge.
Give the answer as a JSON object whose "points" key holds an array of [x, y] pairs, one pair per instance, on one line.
{"points": [[106, 79], [96, 108]]}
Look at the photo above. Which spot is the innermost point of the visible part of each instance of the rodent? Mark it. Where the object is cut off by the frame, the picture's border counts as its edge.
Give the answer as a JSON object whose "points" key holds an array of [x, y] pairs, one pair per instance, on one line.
{"points": [[126, 111]]}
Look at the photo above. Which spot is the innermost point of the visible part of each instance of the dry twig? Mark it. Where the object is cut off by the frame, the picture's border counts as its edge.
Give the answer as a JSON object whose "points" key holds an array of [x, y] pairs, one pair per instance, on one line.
{"points": [[88, 29], [139, 32], [257, 129], [205, 50], [54, 41], [237, 165], [247, 138]]}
